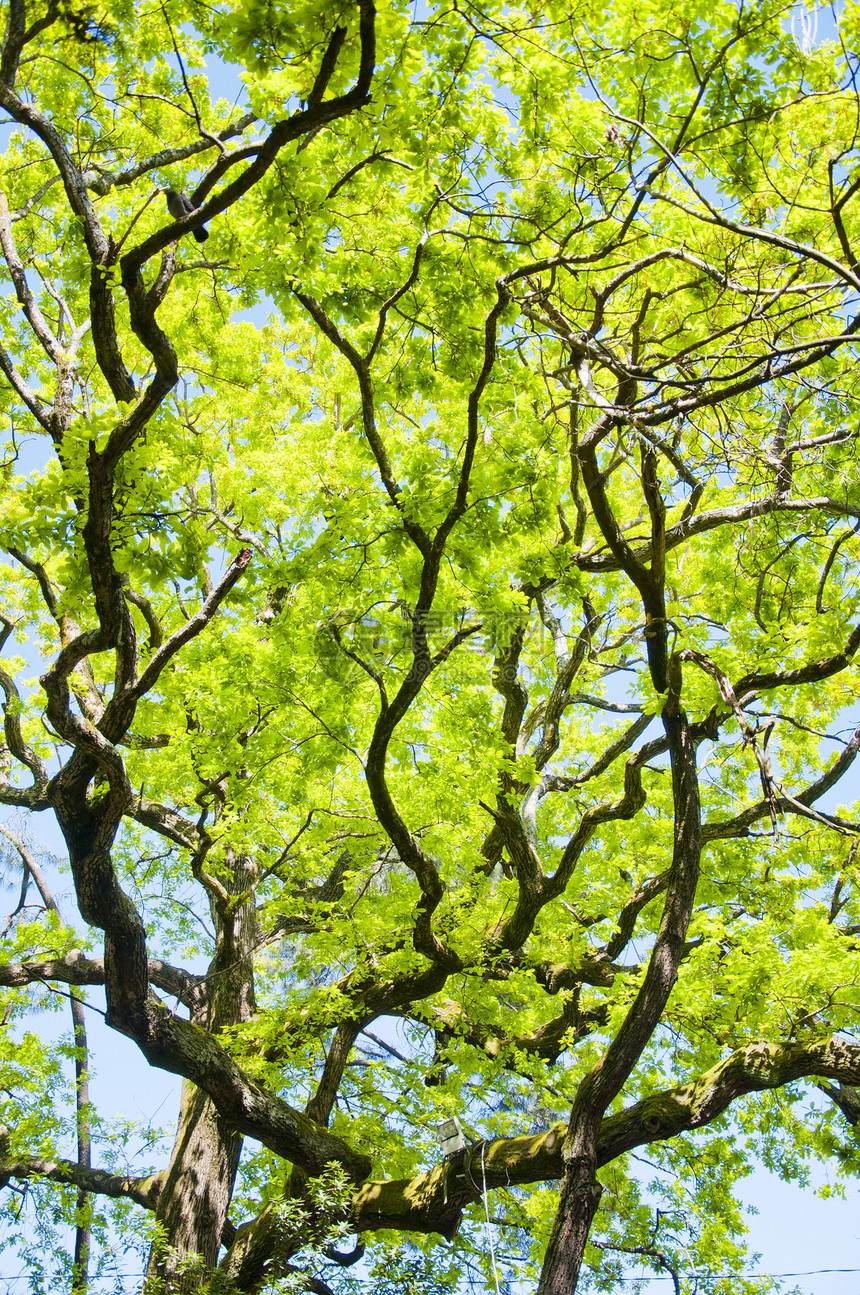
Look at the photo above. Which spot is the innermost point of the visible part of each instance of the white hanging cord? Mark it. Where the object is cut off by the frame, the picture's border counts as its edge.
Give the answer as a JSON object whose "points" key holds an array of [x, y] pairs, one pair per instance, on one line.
{"points": [[807, 21], [489, 1227]]}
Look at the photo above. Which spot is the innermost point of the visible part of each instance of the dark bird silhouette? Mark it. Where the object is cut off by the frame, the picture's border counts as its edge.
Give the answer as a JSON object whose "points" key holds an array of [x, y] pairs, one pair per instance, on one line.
{"points": [[179, 205]]}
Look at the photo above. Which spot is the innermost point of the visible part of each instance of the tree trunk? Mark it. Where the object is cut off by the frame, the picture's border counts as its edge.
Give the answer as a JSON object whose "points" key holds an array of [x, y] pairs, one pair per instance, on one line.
{"points": [[580, 1197], [193, 1204], [198, 1186]]}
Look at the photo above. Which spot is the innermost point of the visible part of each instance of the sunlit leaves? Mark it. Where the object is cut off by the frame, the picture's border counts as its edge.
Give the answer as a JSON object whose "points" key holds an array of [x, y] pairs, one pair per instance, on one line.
{"points": [[654, 198]]}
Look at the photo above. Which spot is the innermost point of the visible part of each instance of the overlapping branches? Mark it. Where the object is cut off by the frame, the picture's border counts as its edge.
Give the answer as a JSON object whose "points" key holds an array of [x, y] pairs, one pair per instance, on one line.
{"points": [[477, 899]]}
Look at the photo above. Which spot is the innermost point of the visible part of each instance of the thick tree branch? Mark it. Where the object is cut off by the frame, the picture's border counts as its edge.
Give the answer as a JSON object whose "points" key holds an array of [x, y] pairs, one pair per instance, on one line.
{"points": [[143, 1191], [75, 968], [317, 114], [433, 1201]]}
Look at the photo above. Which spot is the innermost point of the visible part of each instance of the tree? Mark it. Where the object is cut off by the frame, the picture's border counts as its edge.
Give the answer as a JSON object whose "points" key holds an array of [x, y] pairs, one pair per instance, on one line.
{"points": [[471, 646]]}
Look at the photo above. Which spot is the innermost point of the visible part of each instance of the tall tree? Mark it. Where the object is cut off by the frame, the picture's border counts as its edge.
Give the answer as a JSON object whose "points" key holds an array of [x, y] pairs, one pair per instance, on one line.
{"points": [[470, 649]]}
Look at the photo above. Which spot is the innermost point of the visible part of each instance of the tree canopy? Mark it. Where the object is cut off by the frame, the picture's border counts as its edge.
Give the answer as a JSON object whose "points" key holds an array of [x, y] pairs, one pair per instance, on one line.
{"points": [[446, 690]]}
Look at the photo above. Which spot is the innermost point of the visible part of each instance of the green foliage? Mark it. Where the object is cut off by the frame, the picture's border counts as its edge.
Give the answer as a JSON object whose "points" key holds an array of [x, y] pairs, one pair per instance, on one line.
{"points": [[384, 375]]}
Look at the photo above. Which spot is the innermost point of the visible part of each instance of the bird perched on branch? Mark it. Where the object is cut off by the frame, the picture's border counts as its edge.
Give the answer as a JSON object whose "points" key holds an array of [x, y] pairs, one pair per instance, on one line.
{"points": [[179, 205]]}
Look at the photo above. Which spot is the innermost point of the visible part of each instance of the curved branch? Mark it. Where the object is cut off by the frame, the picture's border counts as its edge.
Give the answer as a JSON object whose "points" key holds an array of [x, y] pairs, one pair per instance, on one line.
{"points": [[143, 1191], [701, 523], [320, 112], [75, 968], [104, 181], [31, 797], [812, 672], [185, 1049]]}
